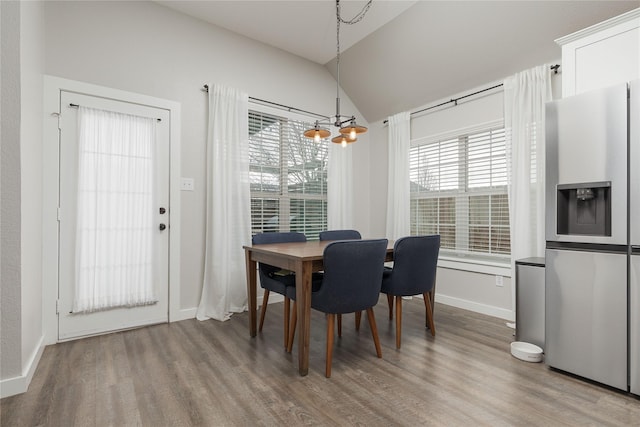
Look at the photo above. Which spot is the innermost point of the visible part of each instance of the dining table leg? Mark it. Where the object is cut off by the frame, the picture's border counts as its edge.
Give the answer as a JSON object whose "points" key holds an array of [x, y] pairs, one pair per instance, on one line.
{"points": [[303, 297], [251, 293]]}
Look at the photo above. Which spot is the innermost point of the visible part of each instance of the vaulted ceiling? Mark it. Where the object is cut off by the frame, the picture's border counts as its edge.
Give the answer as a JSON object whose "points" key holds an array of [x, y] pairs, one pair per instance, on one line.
{"points": [[406, 54]]}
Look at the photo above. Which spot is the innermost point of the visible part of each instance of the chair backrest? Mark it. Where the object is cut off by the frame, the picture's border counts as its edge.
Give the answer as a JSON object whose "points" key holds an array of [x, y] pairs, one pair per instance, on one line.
{"points": [[415, 260], [352, 276], [340, 235], [266, 238]]}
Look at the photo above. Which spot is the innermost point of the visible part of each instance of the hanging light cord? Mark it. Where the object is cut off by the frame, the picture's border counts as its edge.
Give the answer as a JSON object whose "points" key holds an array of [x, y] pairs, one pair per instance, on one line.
{"points": [[347, 133], [357, 18]]}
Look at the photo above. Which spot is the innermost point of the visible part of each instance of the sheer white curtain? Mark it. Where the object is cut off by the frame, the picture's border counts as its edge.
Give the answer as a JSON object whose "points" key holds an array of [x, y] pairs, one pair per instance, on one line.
{"points": [[398, 202], [228, 210], [525, 95], [115, 224], [340, 187]]}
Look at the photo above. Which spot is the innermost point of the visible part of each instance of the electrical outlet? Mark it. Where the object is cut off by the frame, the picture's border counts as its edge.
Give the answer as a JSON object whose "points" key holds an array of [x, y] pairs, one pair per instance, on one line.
{"points": [[186, 184], [499, 281]]}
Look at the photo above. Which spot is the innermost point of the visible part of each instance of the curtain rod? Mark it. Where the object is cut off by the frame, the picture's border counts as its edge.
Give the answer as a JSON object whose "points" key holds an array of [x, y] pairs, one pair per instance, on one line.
{"points": [[77, 106], [285, 107], [455, 100]]}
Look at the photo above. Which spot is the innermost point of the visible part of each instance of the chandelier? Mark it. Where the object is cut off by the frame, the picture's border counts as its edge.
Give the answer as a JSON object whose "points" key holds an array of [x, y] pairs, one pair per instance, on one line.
{"points": [[346, 125]]}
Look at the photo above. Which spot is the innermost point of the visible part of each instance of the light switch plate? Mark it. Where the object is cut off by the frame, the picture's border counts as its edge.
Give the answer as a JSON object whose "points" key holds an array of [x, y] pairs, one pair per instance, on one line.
{"points": [[499, 281], [186, 184]]}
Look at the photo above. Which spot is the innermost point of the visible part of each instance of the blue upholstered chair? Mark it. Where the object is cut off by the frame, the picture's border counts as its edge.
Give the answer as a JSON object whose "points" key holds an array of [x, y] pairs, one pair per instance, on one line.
{"points": [[340, 235], [351, 283], [343, 235], [415, 260], [274, 279]]}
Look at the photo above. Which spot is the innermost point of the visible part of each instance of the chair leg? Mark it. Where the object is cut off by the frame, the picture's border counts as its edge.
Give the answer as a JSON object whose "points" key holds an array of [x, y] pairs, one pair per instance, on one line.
{"points": [[398, 320], [427, 305], [287, 314], [358, 318], [374, 330], [340, 325], [263, 309], [330, 322], [292, 328], [390, 301]]}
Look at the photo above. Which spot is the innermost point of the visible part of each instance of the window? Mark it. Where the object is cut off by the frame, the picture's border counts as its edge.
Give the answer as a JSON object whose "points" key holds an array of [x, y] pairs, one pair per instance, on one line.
{"points": [[459, 190], [288, 175]]}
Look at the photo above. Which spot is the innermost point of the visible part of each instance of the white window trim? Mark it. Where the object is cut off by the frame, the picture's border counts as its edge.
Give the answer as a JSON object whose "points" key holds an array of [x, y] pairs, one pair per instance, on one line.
{"points": [[283, 112], [428, 139], [470, 264]]}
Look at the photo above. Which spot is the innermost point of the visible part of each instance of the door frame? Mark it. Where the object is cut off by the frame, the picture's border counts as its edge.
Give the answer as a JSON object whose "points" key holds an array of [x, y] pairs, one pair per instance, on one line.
{"points": [[51, 191]]}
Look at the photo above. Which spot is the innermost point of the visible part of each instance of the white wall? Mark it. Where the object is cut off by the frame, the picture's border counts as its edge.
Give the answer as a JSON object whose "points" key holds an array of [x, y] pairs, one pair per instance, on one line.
{"points": [[32, 66], [146, 48], [21, 331], [10, 328]]}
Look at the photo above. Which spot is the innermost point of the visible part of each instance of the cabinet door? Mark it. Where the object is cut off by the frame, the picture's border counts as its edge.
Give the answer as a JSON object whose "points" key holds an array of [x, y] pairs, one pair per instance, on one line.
{"points": [[602, 55]]}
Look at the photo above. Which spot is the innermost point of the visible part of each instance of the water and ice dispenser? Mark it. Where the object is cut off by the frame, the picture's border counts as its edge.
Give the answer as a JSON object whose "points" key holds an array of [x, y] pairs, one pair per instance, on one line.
{"points": [[584, 209]]}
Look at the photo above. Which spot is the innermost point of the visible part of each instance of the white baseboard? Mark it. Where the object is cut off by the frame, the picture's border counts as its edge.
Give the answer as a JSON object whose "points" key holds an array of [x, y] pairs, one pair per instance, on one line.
{"points": [[489, 310], [20, 384], [190, 313], [184, 314], [476, 307]]}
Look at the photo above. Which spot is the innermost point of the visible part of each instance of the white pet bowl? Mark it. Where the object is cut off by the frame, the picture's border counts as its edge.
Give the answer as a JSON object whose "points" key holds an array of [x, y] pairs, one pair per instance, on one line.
{"points": [[525, 351]]}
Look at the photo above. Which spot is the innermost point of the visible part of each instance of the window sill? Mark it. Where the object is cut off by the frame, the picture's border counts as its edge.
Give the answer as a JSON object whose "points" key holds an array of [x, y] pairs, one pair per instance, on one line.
{"points": [[498, 268]]}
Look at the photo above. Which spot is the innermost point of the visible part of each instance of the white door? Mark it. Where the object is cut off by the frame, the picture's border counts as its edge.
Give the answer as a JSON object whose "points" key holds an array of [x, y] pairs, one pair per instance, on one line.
{"points": [[85, 322]]}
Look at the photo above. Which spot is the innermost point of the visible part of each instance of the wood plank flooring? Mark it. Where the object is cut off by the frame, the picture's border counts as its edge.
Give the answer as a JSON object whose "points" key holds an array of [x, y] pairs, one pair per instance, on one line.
{"points": [[193, 373]]}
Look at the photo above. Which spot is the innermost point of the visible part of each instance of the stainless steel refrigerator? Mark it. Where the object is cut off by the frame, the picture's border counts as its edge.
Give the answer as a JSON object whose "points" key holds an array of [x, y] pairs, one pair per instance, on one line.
{"points": [[591, 318]]}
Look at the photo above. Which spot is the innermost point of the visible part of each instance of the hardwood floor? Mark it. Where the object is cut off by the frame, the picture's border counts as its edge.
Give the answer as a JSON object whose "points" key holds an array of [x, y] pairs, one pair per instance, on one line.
{"points": [[213, 374]]}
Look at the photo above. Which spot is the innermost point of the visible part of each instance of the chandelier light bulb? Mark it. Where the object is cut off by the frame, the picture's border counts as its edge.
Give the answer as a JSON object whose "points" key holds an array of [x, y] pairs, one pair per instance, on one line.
{"points": [[316, 137], [352, 134], [344, 142]]}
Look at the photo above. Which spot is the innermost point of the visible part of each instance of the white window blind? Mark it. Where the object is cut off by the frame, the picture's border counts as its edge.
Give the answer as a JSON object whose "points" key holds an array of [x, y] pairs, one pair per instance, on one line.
{"points": [[288, 175], [459, 190]]}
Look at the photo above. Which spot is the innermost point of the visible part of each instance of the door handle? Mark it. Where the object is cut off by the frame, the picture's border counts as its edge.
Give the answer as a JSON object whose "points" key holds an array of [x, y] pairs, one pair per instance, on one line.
{"points": [[162, 227]]}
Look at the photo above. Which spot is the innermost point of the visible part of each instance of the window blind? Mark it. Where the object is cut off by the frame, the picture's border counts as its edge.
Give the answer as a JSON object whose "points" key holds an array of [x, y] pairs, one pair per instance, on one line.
{"points": [[288, 175], [459, 190]]}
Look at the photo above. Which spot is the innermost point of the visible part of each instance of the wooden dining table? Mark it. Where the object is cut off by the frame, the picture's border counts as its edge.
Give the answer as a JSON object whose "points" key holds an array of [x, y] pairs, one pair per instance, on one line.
{"points": [[303, 258]]}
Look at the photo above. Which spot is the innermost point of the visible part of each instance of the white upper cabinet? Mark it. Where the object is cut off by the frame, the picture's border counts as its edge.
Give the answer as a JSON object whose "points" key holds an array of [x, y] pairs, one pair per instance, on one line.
{"points": [[601, 55]]}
